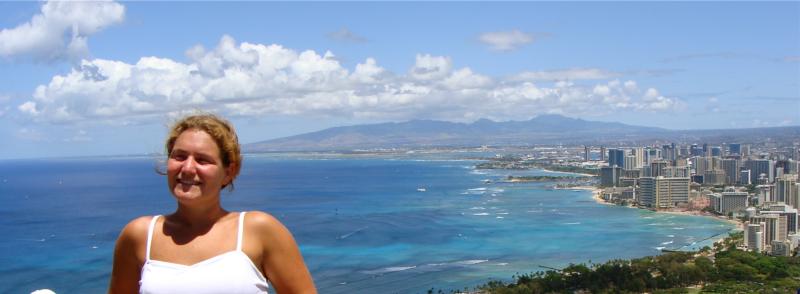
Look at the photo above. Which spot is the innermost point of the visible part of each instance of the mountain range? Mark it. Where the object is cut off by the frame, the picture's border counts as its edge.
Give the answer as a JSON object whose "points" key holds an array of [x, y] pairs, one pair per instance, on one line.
{"points": [[543, 129]]}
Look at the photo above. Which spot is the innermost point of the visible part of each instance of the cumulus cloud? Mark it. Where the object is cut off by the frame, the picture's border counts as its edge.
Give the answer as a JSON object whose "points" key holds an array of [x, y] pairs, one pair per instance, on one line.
{"points": [[429, 67], [506, 40], [246, 79], [60, 30], [566, 75], [345, 35]]}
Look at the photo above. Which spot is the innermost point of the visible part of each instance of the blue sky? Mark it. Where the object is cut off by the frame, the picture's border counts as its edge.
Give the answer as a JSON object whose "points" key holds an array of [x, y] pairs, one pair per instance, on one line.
{"points": [[103, 78]]}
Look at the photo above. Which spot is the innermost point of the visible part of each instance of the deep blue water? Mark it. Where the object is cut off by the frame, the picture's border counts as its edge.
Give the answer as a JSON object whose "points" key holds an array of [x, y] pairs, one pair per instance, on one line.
{"points": [[361, 222]]}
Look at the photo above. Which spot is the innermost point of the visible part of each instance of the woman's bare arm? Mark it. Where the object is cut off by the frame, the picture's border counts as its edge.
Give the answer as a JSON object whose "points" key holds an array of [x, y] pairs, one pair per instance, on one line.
{"points": [[281, 260], [129, 257]]}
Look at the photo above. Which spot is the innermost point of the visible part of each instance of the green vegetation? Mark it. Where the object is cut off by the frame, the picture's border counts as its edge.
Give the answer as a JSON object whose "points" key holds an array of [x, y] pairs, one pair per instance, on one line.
{"points": [[725, 269], [570, 169], [518, 163]]}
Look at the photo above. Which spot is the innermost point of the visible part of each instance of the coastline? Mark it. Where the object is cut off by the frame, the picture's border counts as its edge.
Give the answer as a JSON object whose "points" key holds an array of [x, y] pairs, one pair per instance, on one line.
{"points": [[739, 226], [596, 192], [563, 172]]}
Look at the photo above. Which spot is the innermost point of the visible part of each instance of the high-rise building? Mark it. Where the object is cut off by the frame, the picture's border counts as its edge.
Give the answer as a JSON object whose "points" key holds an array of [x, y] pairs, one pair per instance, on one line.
{"points": [[744, 176], [716, 151], [734, 149], [630, 162], [713, 177], [784, 210], [652, 154], [647, 171], [760, 166], [609, 176], [765, 193], [731, 168], [602, 153], [586, 153], [676, 172], [684, 151], [745, 150], [785, 164], [700, 164], [781, 248], [786, 190], [754, 236], [668, 152], [632, 173], [727, 202], [716, 162], [696, 150], [775, 226], [663, 192], [616, 157], [657, 168], [638, 152]]}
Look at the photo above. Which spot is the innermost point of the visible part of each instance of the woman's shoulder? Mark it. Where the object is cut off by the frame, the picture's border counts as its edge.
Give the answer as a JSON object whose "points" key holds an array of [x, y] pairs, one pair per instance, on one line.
{"points": [[260, 219], [265, 225], [136, 229]]}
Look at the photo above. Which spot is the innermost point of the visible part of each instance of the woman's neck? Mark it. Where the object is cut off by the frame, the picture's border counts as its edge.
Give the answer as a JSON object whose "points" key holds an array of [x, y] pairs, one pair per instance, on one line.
{"points": [[198, 217]]}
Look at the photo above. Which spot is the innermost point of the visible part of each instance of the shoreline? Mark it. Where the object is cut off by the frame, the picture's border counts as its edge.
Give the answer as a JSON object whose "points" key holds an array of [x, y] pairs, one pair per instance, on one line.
{"points": [[563, 172], [738, 226], [595, 193]]}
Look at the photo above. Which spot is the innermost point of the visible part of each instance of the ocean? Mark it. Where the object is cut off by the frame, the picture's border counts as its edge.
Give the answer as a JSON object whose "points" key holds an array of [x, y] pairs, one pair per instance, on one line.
{"points": [[364, 223]]}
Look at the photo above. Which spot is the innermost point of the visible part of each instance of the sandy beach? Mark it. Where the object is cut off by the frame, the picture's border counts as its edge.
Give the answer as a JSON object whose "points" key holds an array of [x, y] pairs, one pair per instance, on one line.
{"points": [[563, 172], [595, 193], [739, 225]]}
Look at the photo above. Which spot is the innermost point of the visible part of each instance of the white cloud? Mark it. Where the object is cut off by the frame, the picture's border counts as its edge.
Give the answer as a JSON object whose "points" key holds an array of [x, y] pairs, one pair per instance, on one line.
{"points": [[429, 67], [465, 79], [60, 30], [505, 41], [244, 79], [29, 108], [345, 35], [29, 134], [567, 75], [79, 136]]}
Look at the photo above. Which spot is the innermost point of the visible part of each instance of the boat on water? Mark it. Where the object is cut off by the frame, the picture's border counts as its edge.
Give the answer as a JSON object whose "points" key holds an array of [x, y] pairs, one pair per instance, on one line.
{"points": [[421, 189]]}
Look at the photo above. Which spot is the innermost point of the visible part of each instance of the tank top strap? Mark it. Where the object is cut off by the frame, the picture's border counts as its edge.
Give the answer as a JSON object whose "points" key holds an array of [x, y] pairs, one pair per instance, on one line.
{"points": [[240, 232], [150, 235]]}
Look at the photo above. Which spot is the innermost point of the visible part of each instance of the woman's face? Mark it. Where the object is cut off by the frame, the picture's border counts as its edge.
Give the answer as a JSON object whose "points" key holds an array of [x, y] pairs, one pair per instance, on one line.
{"points": [[194, 168]]}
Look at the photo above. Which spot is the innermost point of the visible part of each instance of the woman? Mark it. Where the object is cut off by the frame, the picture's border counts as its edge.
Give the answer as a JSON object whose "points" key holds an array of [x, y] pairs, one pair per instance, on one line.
{"points": [[201, 247]]}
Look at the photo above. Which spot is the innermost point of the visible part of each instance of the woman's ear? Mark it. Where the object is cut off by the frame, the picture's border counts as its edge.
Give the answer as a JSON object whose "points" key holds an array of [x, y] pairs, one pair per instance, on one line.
{"points": [[229, 173]]}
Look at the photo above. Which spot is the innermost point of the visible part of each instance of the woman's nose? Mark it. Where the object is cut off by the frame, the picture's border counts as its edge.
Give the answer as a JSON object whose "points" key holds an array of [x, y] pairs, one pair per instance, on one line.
{"points": [[189, 165]]}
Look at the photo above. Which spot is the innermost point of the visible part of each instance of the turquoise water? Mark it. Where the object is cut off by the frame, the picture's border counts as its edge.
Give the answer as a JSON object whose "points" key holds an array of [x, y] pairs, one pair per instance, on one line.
{"points": [[361, 221]]}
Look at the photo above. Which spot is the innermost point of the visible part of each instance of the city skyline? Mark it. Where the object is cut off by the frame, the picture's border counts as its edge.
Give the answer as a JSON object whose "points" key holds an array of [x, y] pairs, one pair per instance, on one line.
{"points": [[99, 78]]}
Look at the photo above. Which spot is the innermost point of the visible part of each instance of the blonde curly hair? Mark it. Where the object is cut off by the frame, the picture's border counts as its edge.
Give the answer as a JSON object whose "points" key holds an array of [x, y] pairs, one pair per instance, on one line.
{"points": [[220, 130]]}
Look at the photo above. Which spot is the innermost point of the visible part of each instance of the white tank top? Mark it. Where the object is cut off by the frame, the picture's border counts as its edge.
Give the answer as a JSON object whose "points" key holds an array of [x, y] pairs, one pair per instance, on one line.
{"points": [[229, 272]]}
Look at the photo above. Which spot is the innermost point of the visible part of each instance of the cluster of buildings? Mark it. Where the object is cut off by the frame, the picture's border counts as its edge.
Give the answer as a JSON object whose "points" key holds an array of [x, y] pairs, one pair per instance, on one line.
{"points": [[759, 186]]}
